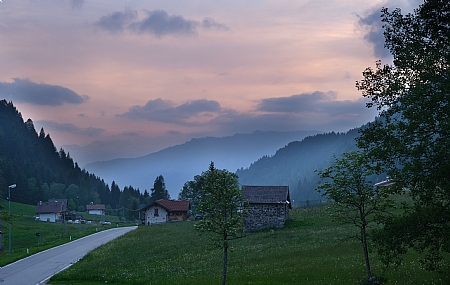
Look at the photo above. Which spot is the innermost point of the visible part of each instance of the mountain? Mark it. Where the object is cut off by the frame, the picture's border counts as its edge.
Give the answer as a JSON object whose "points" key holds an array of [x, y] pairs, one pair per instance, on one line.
{"points": [[31, 161], [295, 164], [181, 163]]}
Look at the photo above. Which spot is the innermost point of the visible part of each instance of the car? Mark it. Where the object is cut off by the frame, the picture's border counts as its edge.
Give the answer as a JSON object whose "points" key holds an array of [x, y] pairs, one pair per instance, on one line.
{"points": [[89, 222], [105, 223], [76, 222], [69, 221], [198, 217]]}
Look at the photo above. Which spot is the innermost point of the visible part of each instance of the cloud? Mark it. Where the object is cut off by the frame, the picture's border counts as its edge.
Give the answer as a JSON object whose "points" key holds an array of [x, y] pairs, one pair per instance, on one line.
{"points": [[314, 111], [157, 22], [26, 91], [345, 115], [76, 4], [210, 23], [70, 128], [160, 23], [117, 21], [307, 102], [166, 111], [372, 25]]}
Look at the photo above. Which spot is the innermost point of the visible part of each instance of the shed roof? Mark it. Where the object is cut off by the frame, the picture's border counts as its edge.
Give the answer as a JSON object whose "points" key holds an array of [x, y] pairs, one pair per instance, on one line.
{"points": [[170, 205], [95, 207], [266, 194], [52, 206]]}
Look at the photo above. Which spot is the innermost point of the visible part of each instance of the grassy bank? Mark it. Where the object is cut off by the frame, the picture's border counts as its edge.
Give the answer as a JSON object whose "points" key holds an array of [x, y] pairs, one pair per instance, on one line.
{"points": [[24, 240], [307, 251]]}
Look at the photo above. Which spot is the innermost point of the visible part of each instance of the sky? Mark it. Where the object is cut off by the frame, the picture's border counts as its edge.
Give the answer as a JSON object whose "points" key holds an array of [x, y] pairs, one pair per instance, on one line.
{"points": [[127, 78]]}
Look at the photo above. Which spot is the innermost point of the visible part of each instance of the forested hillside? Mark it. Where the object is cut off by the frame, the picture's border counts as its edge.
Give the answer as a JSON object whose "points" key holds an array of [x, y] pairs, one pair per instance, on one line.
{"points": [[31, 161], [294, 164]]}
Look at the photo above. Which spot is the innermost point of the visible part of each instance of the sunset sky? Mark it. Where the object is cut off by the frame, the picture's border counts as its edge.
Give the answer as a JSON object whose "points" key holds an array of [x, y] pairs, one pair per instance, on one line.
{"points": [[127, 78]]}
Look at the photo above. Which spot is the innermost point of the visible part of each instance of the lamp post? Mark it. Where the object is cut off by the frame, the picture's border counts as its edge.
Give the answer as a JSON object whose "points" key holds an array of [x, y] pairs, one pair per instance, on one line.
{"points": [[9, 213]]}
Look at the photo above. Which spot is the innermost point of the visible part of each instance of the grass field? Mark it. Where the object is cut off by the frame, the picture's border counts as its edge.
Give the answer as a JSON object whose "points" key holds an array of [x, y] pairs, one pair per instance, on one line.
{"points": [[24, 228], [309, 250]]}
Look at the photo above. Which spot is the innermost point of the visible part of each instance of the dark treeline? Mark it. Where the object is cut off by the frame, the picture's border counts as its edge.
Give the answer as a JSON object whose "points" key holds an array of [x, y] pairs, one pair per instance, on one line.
{"points": [[41, 172]]}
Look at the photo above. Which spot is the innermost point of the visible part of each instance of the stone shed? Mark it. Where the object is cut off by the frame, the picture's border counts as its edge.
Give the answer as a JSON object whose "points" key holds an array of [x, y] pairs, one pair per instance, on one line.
{"points": [[268, 207]]}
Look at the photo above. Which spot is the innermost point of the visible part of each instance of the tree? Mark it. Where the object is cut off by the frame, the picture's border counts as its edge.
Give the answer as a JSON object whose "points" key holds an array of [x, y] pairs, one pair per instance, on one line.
{"points": [[193, 191], [159, 190], [71, 205], [221, 206], [411, 138], [354, 198]]}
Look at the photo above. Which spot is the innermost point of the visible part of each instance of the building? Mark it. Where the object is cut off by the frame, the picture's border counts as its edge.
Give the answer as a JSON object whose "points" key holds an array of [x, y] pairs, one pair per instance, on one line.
{"points": [[55, 210], [95, 209], [268, 207], [162, 211]]}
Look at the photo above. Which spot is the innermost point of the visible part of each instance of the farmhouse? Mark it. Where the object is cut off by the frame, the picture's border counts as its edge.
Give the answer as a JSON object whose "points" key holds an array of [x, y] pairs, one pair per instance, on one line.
{"points": [[268, 207], [55, 210], [162, 211], [95, 209]]}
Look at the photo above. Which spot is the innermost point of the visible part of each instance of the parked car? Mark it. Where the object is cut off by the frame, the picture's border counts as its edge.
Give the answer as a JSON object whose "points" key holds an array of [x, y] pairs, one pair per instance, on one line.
{"points": [[89, 222], [69, 221], [76, 222], [105, 223]]}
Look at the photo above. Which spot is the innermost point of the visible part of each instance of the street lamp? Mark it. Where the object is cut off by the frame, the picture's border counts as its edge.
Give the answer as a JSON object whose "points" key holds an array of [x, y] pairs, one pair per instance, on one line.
{"points": [[9, 213], [385, 183]]}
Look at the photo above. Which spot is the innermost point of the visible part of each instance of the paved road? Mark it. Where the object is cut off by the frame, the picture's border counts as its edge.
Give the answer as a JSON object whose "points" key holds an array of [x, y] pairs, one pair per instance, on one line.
{"points": [[38, 268]]}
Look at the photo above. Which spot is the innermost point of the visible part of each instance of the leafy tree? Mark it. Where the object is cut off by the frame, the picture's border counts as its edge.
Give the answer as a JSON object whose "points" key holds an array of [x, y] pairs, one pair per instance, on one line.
{"points": [[355, 199], [159, 190], [71, 192], [71, 205], [411, 138], [221, 206], [193, 191]]}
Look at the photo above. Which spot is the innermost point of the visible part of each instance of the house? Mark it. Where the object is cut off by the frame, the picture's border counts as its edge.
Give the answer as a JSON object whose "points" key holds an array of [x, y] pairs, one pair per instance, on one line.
{"points": [[268, 207], [55, 210], [95, 209], [162, 211]]}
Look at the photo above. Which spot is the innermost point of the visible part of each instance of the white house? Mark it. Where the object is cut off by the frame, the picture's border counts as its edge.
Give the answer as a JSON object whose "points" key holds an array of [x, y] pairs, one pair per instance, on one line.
{"points": [[52, 211], [162, 211], [95, 209]]}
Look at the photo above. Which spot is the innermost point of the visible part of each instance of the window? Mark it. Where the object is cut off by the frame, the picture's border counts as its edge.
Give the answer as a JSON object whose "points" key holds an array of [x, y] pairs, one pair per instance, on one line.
{"points": [[156, 213]]}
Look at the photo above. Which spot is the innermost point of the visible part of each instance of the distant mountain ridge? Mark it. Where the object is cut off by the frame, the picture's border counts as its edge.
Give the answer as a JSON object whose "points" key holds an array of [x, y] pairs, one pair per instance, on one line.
{"points": [[181, 163], [295, 164]]}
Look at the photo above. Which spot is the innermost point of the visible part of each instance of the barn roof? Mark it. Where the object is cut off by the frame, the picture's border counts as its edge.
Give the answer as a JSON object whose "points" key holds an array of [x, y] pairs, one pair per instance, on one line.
{"points": [[170, 205], [95, 207], [266, 194]]}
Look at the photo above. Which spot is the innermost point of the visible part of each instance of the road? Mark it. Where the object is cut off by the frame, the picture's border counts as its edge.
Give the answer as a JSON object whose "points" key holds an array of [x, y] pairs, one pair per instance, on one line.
{"points": [[38, 268]]}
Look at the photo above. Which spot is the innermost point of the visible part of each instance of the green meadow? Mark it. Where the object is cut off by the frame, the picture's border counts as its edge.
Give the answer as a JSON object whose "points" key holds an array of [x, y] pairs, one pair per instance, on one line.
{"points": [[309, 250], [24, 228]]}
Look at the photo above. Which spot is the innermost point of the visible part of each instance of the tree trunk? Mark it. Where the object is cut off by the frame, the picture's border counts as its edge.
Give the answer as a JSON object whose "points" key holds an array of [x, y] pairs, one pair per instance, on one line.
{"points": [[225, 260], [366, 251]]}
